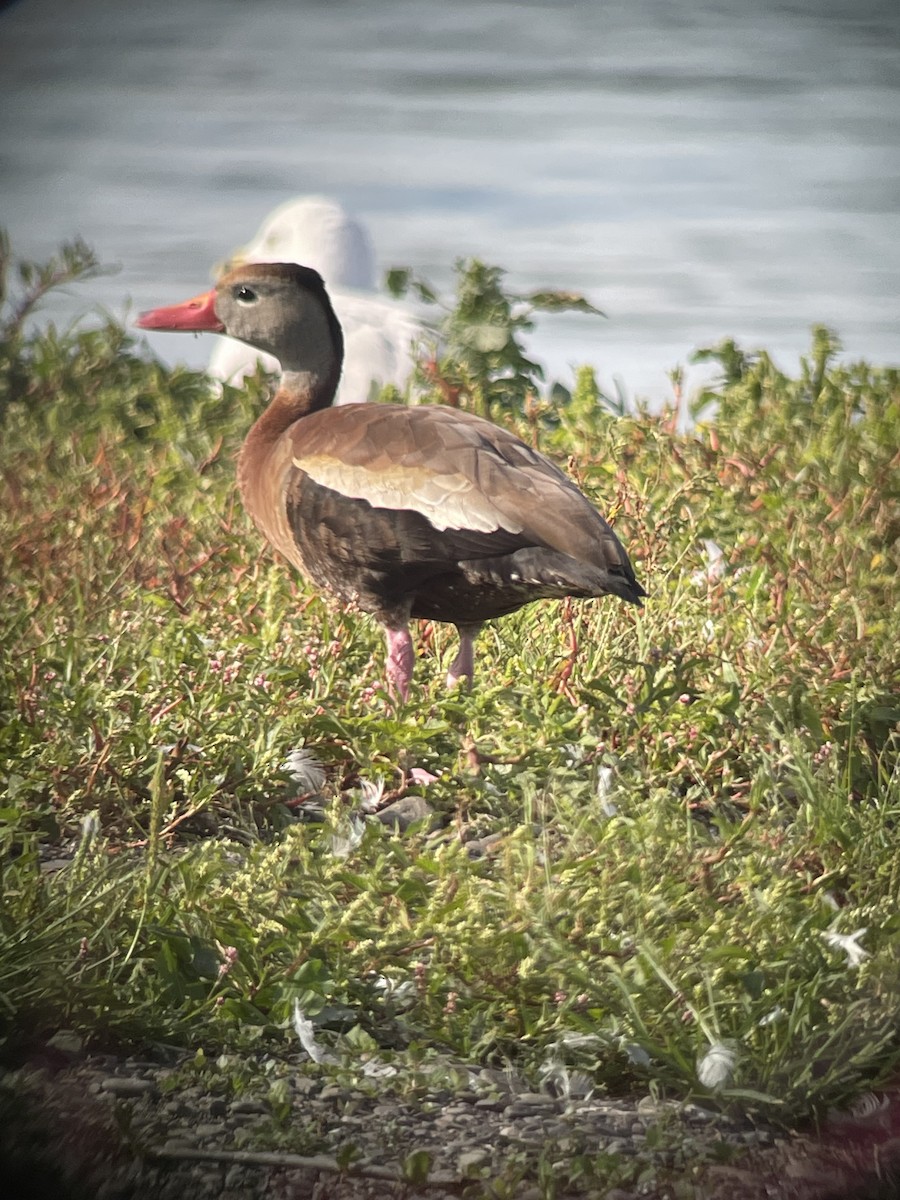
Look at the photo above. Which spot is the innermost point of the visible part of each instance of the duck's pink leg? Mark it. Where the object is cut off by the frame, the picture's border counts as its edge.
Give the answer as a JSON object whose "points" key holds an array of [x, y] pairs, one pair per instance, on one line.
{"points": [[463, 666], [400, 661]]}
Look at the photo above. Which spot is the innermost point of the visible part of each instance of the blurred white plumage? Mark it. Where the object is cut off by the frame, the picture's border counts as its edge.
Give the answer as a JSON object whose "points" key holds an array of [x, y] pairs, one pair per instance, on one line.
{"points": [[378, 333]]}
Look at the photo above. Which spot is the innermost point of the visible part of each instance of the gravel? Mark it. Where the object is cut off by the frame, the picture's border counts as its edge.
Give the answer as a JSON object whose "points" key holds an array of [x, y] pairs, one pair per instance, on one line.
{"points": [[78, 1125]]}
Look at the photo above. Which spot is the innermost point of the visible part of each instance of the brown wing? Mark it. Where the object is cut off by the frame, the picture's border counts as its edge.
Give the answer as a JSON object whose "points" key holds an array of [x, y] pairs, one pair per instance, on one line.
{"points": [[460, 473]]}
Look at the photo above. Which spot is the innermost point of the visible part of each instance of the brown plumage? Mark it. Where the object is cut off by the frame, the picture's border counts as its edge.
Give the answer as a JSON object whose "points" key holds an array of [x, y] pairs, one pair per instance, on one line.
{"points": [[407, 512]]}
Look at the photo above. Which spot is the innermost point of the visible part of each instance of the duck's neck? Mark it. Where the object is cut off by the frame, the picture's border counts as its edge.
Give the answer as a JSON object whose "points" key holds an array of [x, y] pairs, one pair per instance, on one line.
{"points": [[299, 393]]}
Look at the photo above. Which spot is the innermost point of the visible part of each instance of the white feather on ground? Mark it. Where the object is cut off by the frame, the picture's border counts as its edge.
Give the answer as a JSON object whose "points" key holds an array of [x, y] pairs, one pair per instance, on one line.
{"points": [[378, 333]]}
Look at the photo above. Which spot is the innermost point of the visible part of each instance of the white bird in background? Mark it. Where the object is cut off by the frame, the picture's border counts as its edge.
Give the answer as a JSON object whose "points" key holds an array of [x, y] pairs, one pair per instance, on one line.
{"points": [[378, 333]]}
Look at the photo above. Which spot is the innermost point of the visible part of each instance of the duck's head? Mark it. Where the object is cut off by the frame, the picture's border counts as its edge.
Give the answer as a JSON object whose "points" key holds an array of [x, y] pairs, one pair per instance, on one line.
{"points": [[280, 308]]}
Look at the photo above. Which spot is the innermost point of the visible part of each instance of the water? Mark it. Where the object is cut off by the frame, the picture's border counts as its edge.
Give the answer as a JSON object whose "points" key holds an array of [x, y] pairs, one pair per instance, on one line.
{"points": [[707, 169]]}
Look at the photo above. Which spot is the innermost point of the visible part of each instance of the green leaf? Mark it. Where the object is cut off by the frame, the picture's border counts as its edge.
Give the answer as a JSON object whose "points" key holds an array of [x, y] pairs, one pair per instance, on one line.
{"points": [[416, 1167], [560, 301]]}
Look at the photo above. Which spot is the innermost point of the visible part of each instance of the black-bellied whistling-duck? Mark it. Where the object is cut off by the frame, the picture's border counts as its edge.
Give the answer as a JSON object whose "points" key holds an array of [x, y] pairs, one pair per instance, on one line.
{"points": [[379, 333], [408, 512]]}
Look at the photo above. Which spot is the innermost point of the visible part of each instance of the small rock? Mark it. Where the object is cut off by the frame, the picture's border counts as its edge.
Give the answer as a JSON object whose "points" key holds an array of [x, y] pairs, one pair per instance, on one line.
{"points": [[472, 1160], [532, 1128], [490, 1105], [521, 1108], [534, 1098], [331, 1092], [51, 865], [178, 1143], [555, 1129], [479, 847], [176, 1109], [67, 1042], [128, 1087], [383, 1109], [248, 1106], [443, 1120], [441, 1179], [305, 1085], [403, 812], [207, 1130], [218, 1107]]}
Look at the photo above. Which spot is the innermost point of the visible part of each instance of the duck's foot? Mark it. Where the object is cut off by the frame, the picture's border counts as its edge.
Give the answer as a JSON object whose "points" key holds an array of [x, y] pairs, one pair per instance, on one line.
{"points": [[463, 666], [400, 661], [564, 674]]}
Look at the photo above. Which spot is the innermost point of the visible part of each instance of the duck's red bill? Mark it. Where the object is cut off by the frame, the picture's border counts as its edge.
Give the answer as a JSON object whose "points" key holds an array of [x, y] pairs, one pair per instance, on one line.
{"points": [[197, 315]]}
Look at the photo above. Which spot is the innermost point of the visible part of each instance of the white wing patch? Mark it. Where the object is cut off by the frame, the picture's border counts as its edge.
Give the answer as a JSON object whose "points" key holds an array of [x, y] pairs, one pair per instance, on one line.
{"points": [[447, 501]]}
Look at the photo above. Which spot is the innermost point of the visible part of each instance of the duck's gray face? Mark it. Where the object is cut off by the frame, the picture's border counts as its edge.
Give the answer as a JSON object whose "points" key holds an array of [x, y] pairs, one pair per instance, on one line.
{"points": [[256, 310], [263, 311], [280, 308], [253, 308]]}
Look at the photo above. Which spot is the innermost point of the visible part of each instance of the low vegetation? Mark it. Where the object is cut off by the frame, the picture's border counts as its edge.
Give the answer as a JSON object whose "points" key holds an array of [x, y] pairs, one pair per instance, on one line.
{"points": [[662, 846]]}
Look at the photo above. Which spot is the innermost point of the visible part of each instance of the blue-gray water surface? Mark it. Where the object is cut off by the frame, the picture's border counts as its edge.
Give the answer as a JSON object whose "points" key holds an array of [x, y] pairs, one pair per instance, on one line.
{"points": [[703, 169]]}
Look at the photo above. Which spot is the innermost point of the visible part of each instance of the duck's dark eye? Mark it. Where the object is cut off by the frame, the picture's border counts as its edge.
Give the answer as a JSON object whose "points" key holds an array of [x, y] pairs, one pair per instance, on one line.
{"points": [[244, 295]]}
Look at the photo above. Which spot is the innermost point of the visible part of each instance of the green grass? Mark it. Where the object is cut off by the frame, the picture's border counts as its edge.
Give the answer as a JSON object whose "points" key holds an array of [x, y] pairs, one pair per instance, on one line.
{"points": [[686, 810]]}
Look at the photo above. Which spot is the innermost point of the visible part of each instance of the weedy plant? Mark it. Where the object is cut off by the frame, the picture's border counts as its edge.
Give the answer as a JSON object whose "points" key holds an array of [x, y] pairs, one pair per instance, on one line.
{"points": [[477, 358], [665, 859]]}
